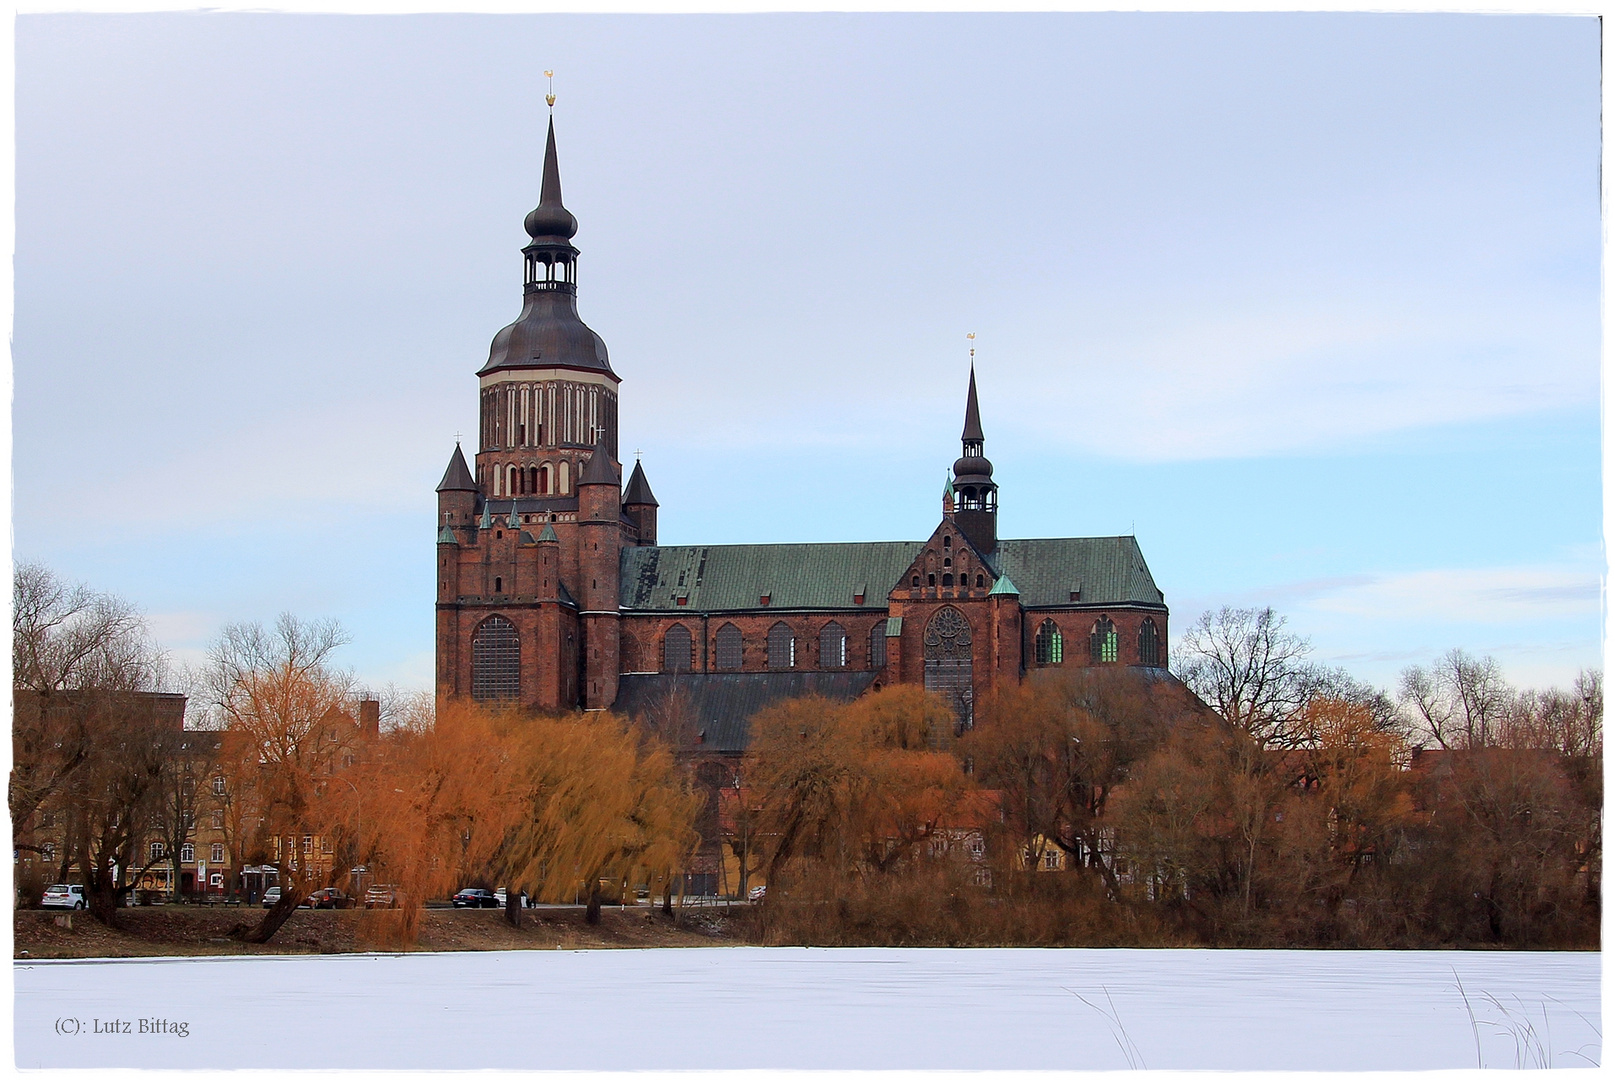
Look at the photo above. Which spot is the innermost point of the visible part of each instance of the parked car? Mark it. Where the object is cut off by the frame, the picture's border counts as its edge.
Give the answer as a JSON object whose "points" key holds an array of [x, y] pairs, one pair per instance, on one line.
{"points": [[757, 892], [381, 896], [500, 896], [329, 898], [272, 896], [474, 898], [64, 896]]}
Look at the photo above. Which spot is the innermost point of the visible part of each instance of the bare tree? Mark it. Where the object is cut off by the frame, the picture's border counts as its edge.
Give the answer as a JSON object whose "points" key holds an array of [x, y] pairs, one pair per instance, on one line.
{"points": [[1251, 670], [1460, 701]]}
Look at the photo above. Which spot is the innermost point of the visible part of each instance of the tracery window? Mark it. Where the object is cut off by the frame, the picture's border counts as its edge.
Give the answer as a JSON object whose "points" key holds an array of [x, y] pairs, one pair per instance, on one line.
{"points": [[1104, 642], [948, 662], [729, 647], [676, 649], [833, 646], [496, 655], [1149, 644], [1050, 646], [781, 647]]}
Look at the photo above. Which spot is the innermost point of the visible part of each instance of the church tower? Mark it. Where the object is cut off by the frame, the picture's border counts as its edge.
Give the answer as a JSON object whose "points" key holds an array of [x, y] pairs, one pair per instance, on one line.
{"points": [[975, 494], [529, 540]]}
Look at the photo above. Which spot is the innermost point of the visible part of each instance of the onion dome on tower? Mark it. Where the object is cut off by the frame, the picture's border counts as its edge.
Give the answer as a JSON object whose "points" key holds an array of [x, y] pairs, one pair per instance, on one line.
{"points": [[549, 333], [975, 494]]}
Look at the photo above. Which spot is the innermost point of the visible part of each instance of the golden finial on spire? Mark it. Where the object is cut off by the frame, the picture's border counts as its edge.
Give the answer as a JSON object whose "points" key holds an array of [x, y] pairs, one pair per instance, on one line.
{"points": [[972, 337], [549, 95]]}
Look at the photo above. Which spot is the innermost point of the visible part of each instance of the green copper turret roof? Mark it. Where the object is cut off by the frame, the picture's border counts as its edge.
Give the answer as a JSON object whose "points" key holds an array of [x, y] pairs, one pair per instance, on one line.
{"points": [[446, 536], [547, 536], [487, 517], [513, 521], [1003, 587]]}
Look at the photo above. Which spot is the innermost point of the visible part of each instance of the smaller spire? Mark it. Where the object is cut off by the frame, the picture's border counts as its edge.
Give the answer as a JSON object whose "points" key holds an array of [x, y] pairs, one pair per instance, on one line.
{"points": [[972, 432], [638, 493], [457, 477], [547, 536], [1003, 587], [487, 516], [550, 220], [600, 468], [446, 536], [513, 521]]}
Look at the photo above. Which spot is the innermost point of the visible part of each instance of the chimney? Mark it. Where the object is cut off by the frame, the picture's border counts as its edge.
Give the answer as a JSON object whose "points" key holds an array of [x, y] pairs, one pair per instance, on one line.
{"points": [[369, 718]]}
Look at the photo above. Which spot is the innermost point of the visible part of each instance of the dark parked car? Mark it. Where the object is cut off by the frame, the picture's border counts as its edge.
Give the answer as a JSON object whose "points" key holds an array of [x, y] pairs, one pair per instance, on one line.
{"points": [[475, 898], [330, 898]]}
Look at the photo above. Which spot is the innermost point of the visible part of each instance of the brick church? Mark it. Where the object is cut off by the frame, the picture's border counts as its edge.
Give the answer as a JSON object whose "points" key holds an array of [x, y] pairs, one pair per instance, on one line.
{"points": [[553, 594]]}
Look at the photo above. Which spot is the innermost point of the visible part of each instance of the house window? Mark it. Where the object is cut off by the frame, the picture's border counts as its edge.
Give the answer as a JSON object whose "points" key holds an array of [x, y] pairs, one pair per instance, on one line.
{"points": [[308, 844], [833, 646], [1050, 645], [325, 845], [187, 853], [1051, 859], [1103, 642], [218, 819], [218, 785], [781, 647], [1149, 644], [877, 646], [729, 647], [47, 851], [157, 850], [496, 660], [216, 881], [676, 649], [216, 853]]}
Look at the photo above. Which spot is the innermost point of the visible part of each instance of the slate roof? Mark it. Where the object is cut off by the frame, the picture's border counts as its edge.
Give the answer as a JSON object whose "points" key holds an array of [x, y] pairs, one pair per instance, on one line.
{"points": [[725, 703], [730, 577], [1107, 570], [733, 577], [638, 493], [457, 477]]}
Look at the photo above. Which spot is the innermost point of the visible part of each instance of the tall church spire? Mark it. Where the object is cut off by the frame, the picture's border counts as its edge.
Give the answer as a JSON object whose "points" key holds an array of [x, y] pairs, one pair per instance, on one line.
{"points": [[976, 503], [550, 219]]}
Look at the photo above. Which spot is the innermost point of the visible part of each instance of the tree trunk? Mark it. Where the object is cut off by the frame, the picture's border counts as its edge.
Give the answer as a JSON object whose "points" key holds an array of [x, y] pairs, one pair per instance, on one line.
{"points": [[591, 914], [513, 906], [103, 901], [667, 897], [275, 917]]}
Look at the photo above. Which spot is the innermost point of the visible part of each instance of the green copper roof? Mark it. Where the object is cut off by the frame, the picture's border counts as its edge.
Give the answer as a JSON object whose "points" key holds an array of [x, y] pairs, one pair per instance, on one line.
{"points": [[547, 536], [947, 486], [734, 577], [446, 536], [487, 517], [1003, 587], [513, 521]]}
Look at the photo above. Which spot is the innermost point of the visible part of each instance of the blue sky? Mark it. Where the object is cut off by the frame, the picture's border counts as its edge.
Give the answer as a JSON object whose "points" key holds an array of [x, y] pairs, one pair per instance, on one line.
{"points": [[1308, 302]]}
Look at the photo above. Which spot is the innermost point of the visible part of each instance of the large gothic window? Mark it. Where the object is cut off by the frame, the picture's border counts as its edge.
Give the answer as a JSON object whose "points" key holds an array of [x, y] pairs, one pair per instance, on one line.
{"points": [[496, 660], [781, 647], [676, 649], [729, 647], [1050, 645], [1104, 642], [877, 646], [833, 646], [948, 662], [1149, 644]]}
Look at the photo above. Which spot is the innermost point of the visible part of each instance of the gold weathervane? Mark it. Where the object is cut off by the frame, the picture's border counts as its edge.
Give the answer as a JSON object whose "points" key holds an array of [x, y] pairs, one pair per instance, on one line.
{"points": [[972, 337], [549, 95]]}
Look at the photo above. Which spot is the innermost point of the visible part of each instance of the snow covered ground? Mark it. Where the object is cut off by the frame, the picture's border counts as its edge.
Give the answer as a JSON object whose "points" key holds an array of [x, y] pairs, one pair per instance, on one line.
{"points": [[739, 1008]]}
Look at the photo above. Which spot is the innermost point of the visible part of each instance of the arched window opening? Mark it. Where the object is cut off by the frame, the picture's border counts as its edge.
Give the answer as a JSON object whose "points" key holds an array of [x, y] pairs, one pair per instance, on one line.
{"points": [[947, 541], [980, 582], [1050, 645], [566, 478], [729, 647], [833, 646], [544, 479], [947, 562], [948, 662], [1149, 644], [915, 582], [496, 660], [930, 579], [511, 480], [676, 649], [877, 646], [947, 580], [1104, 642], [498, 584], [781, 647], [532, 480]]}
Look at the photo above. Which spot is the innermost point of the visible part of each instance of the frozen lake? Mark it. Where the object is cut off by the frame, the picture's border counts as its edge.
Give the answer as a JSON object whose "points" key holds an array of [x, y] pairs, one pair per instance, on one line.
{"points": [[752, 1008]]}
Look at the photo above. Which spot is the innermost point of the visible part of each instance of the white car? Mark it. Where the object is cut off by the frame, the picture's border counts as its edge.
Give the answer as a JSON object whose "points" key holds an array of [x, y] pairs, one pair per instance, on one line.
{"points": [[64, 896], [499, 895]]}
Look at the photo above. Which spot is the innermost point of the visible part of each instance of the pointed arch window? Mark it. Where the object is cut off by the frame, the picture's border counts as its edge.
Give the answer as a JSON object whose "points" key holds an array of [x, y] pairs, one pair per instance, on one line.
{"points": [[1149, 644], [1104, 643], [496, 657], [1050, 645], [833, 646], [781, 647], [948, 662], [877, 646], [729, 647], [676, 649]]}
